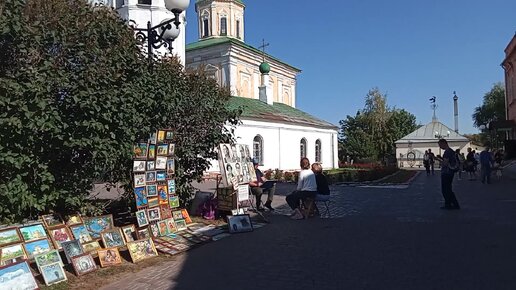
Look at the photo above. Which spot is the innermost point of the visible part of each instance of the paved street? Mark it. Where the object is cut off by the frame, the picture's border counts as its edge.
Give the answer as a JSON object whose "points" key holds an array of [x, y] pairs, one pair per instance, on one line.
{"points": [[376, 239]]}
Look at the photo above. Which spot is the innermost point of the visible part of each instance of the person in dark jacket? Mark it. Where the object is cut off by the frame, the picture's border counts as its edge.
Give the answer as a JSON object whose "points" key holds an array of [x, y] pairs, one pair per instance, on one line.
{"points": [[323, 190]]}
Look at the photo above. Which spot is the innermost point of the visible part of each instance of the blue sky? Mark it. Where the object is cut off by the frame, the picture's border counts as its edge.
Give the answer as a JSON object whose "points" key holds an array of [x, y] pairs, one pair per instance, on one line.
{"points": [[411, 50]]}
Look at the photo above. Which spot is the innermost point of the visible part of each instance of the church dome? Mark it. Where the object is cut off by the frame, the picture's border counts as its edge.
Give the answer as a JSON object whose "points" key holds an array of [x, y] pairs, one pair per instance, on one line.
{"points": [[265, 68]]}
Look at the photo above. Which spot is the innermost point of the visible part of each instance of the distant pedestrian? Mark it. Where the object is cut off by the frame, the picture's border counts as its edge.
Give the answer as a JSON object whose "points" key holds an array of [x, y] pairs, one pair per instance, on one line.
{"points": [[486, 163], [449, 165], [426, 162], [470, 164], [461, 160], [431, 157]]}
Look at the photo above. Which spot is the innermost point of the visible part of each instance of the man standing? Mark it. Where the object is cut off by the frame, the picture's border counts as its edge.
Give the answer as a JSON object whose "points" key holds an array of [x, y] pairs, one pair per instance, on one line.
{"points": [[449, 165], [431, 160], [257, 189], [486, 161]]}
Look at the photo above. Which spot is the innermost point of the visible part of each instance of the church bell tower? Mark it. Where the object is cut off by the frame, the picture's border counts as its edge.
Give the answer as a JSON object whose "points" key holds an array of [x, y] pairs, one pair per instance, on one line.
{"points": [[220, 18]]}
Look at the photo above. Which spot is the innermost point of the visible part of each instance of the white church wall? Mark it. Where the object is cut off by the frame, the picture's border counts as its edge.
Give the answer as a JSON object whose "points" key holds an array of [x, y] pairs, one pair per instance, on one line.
{"points": [[421, 147]]}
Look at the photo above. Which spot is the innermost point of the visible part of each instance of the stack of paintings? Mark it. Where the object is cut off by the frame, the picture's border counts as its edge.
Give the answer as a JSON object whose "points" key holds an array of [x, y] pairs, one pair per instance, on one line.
{"points": [[50, 266]]}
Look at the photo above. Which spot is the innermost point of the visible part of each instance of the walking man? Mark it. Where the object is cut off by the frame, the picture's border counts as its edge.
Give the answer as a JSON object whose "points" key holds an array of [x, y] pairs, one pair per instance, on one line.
{"points": [[449, 165], [486, 162], [431, 159]]}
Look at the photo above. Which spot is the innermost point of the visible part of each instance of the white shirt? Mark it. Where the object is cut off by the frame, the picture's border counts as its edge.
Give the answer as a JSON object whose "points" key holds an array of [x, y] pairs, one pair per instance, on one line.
{"points": [[306, 181]]}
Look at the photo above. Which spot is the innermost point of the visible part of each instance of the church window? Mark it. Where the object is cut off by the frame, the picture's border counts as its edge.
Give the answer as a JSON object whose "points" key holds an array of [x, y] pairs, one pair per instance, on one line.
{"points": [[302, 147], [238, 29], [318, 150], [258, 149], [145, 2], [223, 26], [205, 28]]}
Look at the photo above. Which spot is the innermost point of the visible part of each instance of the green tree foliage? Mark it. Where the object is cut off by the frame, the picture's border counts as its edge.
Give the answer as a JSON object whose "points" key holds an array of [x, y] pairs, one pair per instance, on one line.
{"points": [[492, 108], [372, 132], [76, 93]]}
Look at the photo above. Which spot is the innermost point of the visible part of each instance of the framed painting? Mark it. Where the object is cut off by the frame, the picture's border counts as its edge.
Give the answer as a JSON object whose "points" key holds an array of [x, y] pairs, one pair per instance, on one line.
{"points": [[151, 165], [139, 166], [161, 176], [240, 223], [140, 150], [96, 225], [177, 214], [173, 201], [37, 247], [33, 232], [169, 135], [10, 236], [162, 228], [163, 194], [171, 184], [150, 176], [171, 149], [180, 224], [171, 167], [129, 232], [186, 216], [161, 162], [141, 249], [140, 197], [83, 264], [113, 238], [152, 190], [161, 135], [171, 225], [162, 150], [80, 233], [12, 254], [153, 202], [91, 247], [152, 138], [48, 258], [109, 257], [153, 214], [141, 218], [71, 249], [53, 273], [152, 152], [60, 235], [52, 220], [143, 233], [154, 230], [75, 219], [139, 179], [165, 212], [17, 276]]}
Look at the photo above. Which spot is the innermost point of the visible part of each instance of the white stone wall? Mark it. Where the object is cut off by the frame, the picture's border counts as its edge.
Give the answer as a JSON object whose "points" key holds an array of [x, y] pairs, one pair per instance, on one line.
{"points": [[423, 146]]}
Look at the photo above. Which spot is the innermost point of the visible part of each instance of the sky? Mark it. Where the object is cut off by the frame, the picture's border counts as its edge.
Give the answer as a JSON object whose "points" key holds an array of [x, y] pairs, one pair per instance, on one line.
{"points": [[411, 50]]}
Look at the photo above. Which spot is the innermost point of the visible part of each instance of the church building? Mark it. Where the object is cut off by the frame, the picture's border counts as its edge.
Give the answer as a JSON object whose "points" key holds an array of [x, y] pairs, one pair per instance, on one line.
{"points": [[263, 86]]}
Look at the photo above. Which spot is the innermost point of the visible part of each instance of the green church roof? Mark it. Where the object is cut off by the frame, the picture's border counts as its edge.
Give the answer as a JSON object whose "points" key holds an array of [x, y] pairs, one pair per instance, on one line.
{"points": [[229, 40], [278, 112]]}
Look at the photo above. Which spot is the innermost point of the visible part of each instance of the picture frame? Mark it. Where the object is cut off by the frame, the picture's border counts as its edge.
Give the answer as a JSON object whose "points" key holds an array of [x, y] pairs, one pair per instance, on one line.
{"points": [[163, 228], [240, 223], [139, 166], [161, 162], [53, 273], [83, 264], [154, 230], [150, 176], [171, 225], [186, 216], [59, 235], [91, 247], [162, 150], [139, 179], [161, 175], [142, 249], [48, 258], [173, 201], [143, 233], [151, 165], [129, 232], [140, 197], [151, 151], [141, 218], [71, 249], [113, 238], [10, 236], [109, 257], [153, 137], [171, 149], [12, 253], [171, 184], [165, 211], [169, 135], [153, 214], [177, 215], [161, 135], [152, 190], [171, 167], [181, 224], [37, 247], [20, 274], [52, 220], [96, 225], [75, 219], [153, 202], [33, 232], [80, 233], [140, 150]]}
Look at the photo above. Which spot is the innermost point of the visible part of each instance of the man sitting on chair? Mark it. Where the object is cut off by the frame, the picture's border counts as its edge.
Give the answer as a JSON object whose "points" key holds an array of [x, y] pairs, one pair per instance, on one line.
{"points": [[323, 190], [258, 188]]}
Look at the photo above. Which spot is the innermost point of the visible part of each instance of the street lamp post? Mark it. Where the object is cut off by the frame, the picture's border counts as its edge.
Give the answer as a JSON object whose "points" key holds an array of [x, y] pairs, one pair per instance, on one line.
{"points": [[164, 33]]}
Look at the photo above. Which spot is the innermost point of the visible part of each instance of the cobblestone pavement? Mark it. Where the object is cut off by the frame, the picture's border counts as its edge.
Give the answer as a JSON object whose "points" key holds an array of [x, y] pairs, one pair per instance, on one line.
{"points": [[376, 238]]}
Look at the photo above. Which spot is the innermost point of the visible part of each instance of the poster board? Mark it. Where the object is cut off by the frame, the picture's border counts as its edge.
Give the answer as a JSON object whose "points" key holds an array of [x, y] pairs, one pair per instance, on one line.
{"points": [[236, 166]]}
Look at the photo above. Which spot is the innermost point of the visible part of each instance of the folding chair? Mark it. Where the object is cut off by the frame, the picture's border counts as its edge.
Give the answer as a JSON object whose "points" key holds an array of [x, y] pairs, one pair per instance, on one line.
{"points": [[326, 200]]}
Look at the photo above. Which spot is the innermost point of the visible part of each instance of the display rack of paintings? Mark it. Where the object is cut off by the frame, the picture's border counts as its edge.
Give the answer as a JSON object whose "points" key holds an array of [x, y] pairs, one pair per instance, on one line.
{"points": [[236, 166]]}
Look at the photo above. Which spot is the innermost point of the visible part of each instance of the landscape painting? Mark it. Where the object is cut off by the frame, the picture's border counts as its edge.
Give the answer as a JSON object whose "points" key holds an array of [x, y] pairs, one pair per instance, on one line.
{"points": [[17, 276], [37, 247], [9, 236], [12, 254], [48, 258], [33, 232], [53, 273]]}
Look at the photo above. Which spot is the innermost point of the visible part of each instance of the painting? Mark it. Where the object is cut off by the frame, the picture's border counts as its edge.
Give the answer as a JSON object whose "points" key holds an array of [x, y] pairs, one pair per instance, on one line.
{"points": [[113, 238], [33, 232], [81, 233], [161, 162], [171, 168], [186, 216], [129, 232], [152, 152], [91, 247], [165, 212], [138, 166], [17, 276], [48, 258], [151, 165], [141, 250], [162, 228], [140, 150], [163, 194], [162, 150], [143, 233], [74, 220], [150, 176], [161, 176], [153, 214], [52, 220], [171, 149], [177, 214], [96, 225], [173, 201], [139, 179], [169, 135], [240, 223], [109, 257], [60, 235], [232, 160], [83, 264], [37, 247], [153, 202], [53, 273], [152, 190], [171, 184], [9, 236], [12, 254], [154, 230], [141, 218], [171, 225], [140, 197], [180, 224], [161, 135], [71, 249]]}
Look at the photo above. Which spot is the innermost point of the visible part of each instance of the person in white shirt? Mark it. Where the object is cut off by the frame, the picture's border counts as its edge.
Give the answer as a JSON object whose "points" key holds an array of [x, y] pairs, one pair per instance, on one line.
{"points": [[306, 188]]}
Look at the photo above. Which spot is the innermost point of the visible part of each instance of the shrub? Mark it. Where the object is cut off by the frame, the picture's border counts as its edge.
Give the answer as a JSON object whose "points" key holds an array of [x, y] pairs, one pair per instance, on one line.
{"points": [[278, 174]]}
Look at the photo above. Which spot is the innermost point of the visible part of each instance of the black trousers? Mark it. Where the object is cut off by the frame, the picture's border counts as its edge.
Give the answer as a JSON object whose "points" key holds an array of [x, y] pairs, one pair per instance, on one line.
{"points": [[447, 191], [258, 191], [296, 196]]}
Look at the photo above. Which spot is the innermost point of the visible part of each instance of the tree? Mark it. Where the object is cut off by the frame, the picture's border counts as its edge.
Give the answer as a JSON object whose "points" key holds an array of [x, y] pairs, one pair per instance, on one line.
{"points": [[492, 109]]}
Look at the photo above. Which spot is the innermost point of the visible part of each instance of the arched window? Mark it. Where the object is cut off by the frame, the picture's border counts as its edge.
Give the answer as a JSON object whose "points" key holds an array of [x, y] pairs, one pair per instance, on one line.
{"points": [[258, 149], [223, 26], [238, 29], [318, 150], [302, 148], [205, 27]]}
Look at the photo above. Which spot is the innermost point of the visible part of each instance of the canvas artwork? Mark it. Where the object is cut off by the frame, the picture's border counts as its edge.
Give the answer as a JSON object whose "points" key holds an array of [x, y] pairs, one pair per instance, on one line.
{"points": [[180, 224], [48, 258], [154, 230], [129, 232], [171, 168], [234, 161], [171, 225], [60, 235], [163, 194], [161, 162], [169, 135], [139, 179], [171, 184], [186, 216], [9, 236], [162, 228], [74, 220], [140, 197], [171, 149], [173, 201], [240, 223], [33, 232], [153, 202], [141, 250], [161, 176], [71, 249], [96, 225], [161, 136], [138, 165], [52, 220], [83, 264], [91, 247], [141, 218], [162, 150], [37, 247], [109, 257], [150, 176], [53, 273], [152, 153], [177, 215], [151, 165], [12, 254], [143, 233], [17, 276], [80, 233], [165, 212], [140, 151], [153, 214], [113, 238], [152, 190]]}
